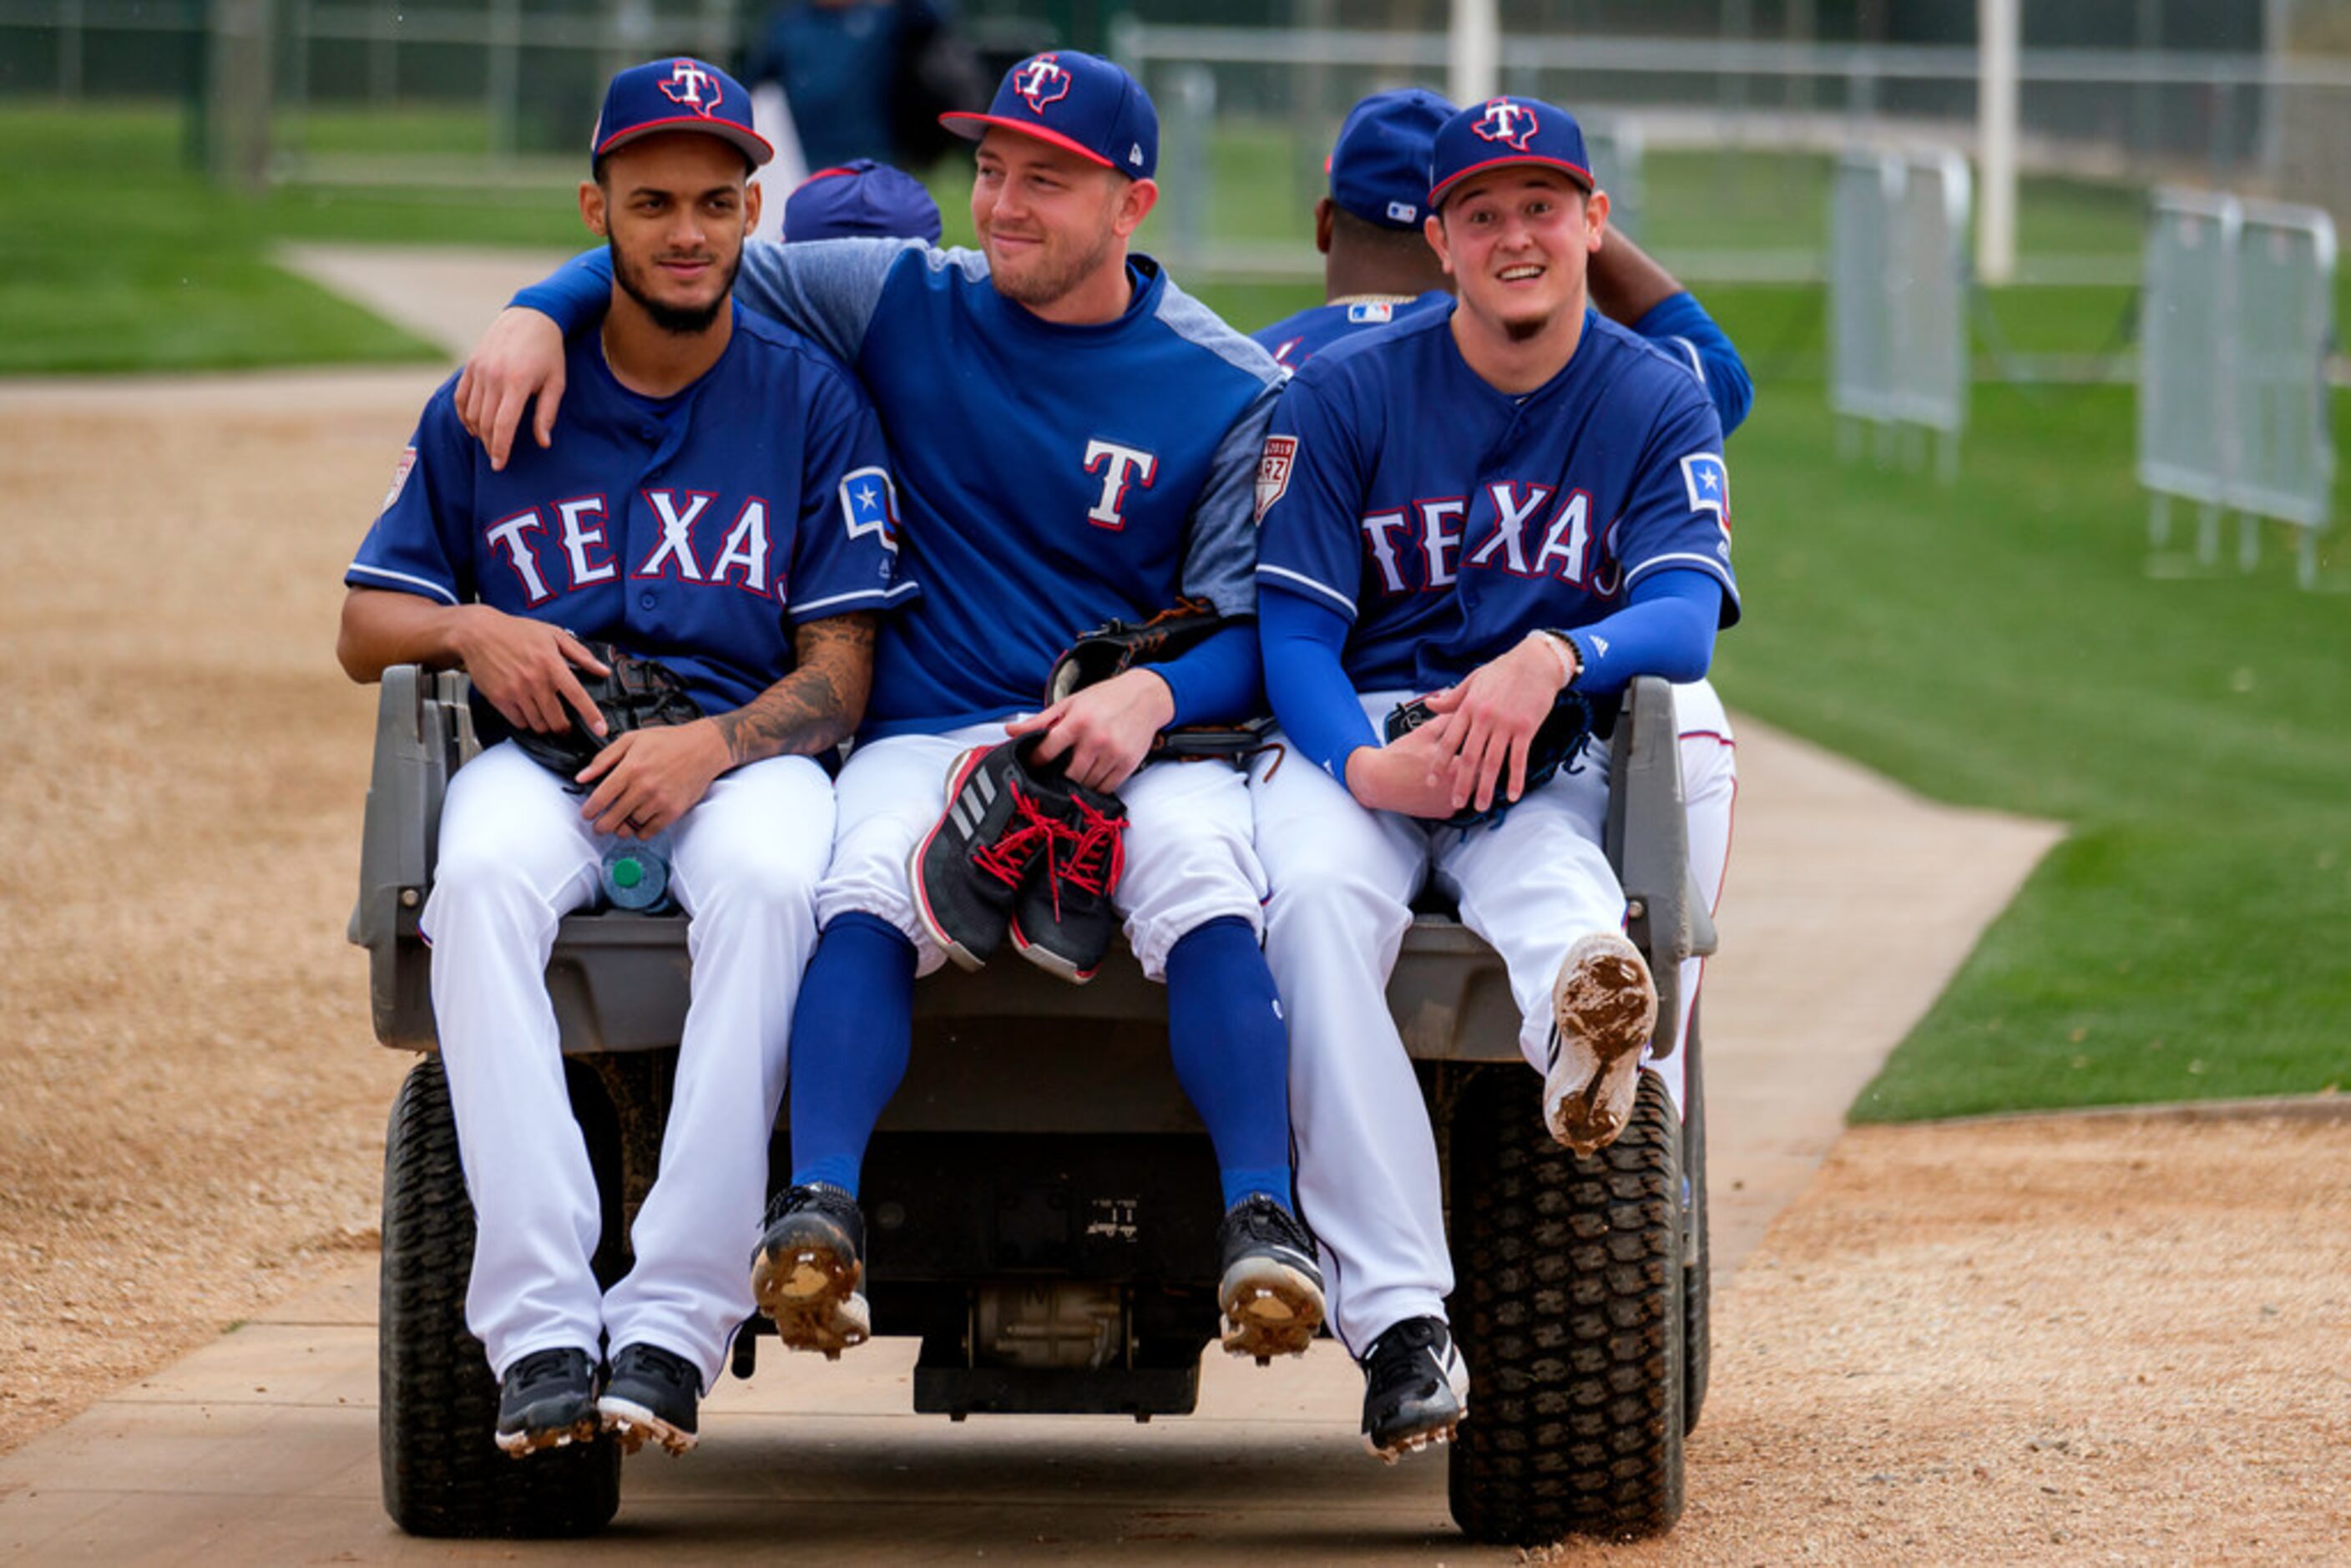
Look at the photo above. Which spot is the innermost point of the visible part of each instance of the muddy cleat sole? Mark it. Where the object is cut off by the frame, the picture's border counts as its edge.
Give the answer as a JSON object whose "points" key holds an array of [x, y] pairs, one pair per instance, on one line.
{"points": [[1604, 1009], [1271, 1290], [807, 1272], [546, 1400], [1415, 1389], [652, 1396]]}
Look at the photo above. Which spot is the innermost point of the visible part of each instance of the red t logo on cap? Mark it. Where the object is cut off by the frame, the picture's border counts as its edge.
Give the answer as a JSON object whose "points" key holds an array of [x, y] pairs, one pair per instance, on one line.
{"points": [[1041, 81], [1511, 124], [686, 83]]}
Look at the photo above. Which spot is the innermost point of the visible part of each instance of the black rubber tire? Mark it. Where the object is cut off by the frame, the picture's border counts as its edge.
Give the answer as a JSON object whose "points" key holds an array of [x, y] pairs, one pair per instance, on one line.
{"points": [[437, 1403], [1568, 1307], [1697, 1282]]}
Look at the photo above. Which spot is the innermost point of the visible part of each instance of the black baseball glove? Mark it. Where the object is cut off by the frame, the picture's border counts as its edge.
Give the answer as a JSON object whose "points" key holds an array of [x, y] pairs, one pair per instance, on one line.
{"points": [[1118, 646], [1558, 745], [638, 694]]}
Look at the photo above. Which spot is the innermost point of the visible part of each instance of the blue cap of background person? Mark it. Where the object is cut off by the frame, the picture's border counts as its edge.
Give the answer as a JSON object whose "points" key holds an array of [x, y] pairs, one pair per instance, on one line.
{"points": [[677, 94], [1502, 132], [861, 197], [1379, 166], [1076, 101]]}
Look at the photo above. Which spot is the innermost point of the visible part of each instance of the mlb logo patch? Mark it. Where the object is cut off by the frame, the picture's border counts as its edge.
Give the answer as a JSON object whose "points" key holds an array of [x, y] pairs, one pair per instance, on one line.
{"points": [[1363, 314], [1273, 471], [400, 478], [1402, 212], [869, 503], [1709, 483]]}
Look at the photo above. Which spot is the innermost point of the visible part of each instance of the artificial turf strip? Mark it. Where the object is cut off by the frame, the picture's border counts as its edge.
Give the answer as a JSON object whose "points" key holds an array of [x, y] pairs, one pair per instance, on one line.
{"points": [[2009, 642]]}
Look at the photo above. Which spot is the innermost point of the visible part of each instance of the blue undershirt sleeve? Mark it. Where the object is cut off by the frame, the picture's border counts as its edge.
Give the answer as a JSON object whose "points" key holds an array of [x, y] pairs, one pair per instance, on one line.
{"points": [[1680, 325], [1306, 677], [1215, 681], [573, 294], [1666, 628]]}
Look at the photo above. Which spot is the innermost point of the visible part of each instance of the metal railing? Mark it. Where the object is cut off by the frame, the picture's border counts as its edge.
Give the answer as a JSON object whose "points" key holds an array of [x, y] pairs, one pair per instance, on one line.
{"points": [[1898, 295], [2234, 403]]}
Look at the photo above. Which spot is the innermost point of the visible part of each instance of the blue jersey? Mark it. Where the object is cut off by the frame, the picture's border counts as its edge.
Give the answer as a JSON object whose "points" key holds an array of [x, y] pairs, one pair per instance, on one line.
{"points": [[1446, 520], [1294, 339], [1054, 477], [688, 529]]}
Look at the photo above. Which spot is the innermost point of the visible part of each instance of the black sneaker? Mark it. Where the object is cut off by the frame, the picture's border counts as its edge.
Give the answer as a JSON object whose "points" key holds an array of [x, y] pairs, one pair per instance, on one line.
{"points": [[1416, 1388], [969, 868], [546, 1400], [651, 1394], [1271, 1291], [1062, 919], [807, 1272]]}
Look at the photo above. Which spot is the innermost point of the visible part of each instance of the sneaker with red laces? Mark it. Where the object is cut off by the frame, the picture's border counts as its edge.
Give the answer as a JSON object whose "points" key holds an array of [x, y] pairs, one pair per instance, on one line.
{"points": [[966, 870], [1062, 919]]}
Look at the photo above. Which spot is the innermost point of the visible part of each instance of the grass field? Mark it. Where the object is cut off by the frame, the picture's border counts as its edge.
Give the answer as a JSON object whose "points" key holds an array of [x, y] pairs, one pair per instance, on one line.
{"points": [[1999, 641]]}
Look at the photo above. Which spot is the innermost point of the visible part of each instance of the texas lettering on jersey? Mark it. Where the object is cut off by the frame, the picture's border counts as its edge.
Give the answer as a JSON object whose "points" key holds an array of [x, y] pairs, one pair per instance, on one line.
{"points": [[565, 546], [1506, 526]]}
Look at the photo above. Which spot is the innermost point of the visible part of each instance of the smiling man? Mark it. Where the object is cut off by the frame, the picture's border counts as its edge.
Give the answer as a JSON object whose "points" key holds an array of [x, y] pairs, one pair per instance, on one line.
{"points": [[1078, 443], [1513, 503], [716, 503]]}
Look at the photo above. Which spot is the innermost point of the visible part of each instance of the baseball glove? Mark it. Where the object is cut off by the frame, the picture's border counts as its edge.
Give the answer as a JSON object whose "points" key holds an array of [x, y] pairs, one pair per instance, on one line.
{"points": [[1114, 648], [638, 694], [1557, 746]]}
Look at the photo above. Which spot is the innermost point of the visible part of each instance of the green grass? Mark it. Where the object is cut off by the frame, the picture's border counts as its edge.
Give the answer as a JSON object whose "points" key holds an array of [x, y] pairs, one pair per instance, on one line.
{"points": [[2002, 643]]}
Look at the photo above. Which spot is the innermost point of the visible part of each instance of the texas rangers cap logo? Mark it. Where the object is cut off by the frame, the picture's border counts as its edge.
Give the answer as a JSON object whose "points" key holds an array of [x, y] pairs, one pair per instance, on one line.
{"points": [[1511, 124], [1041, 81], [1273, 471], [693, 86]]}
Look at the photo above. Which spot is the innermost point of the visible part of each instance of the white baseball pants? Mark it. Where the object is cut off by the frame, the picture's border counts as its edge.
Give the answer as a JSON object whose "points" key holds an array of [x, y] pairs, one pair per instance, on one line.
{"points": [[1344, 879], [516, 856], [1189, 854]]}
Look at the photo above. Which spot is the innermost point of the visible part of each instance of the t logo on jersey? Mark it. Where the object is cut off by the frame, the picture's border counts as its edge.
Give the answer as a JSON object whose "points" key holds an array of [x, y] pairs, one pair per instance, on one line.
{"points": [[1511, 124], [1709, 483], [692, 85], [1041, 81], [1119, 467], [1273, 472], [869, 505]]}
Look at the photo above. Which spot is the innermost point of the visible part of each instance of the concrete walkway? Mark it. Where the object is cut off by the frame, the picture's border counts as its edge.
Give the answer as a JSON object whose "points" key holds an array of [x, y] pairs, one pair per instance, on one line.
{"points": [[1850, 903]]}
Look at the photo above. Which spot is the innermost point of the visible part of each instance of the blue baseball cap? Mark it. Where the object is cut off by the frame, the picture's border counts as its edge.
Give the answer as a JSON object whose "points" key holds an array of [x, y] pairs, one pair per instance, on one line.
{"points": [[1379, 166], [677, 94], [1076, 101], [1502, 131], [861, 197]]}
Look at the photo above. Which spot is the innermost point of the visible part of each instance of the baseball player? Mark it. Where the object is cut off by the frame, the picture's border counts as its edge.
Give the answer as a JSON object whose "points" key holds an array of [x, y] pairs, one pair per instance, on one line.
{"points": [[1496, 501], [861, 197], [719, 500], [1378, 268], [1077, 442]]}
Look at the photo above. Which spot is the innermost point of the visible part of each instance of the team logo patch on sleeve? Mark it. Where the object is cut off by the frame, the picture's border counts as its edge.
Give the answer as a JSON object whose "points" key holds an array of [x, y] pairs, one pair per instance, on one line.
{"points": [[1709, 485], [1273, 471], [869, 505], [400, 478]]}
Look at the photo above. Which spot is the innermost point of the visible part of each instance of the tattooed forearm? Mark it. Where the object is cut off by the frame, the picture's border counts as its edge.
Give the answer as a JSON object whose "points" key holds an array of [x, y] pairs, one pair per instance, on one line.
{"points": [[815, 707]]}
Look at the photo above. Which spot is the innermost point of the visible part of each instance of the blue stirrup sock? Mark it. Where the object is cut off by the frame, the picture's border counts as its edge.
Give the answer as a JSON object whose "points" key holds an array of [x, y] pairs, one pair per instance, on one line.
{"points": [[1232, 1047], [851, 1036]]}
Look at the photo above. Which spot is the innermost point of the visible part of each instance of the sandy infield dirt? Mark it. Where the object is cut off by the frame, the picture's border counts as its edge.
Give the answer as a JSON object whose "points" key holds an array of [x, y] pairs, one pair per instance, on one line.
{"points": [[2102, 1338]]}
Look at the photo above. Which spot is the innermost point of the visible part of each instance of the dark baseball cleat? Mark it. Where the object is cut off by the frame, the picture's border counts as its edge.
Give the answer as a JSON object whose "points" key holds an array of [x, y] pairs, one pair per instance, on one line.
{"points": [[1604, 1008], [1063, 918], [1271, 1291], [1416, 1388], [966, 870], [652, 1394], [546, 1400], [809, 1268]]}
